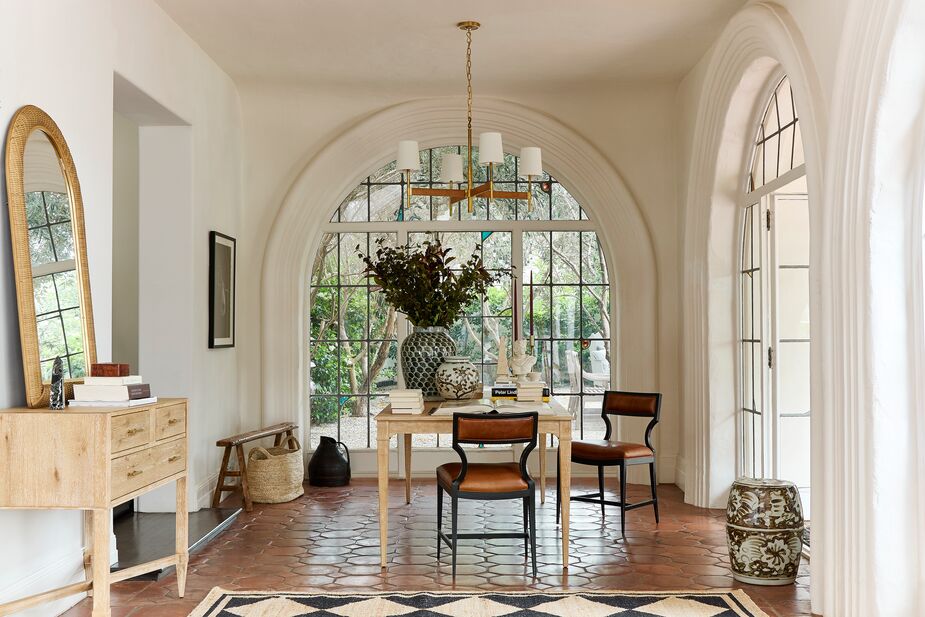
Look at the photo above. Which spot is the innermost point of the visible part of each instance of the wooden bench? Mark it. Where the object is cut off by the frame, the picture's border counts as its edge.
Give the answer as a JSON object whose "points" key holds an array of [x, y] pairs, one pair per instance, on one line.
{"points": [[279, 431]]}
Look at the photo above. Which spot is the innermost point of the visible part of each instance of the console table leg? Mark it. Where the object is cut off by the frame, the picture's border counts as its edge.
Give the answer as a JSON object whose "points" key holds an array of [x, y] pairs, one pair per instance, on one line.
{"points": [[100, 562], [182, 536]]}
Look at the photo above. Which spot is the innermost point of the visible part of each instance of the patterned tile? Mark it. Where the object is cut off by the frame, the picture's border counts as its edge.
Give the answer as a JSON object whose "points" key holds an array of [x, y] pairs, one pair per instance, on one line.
{"points": [[328, 540]]}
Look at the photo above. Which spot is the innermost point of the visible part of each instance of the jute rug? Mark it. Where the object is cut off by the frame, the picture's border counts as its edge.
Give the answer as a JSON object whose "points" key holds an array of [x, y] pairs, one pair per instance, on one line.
{"points": [[725, 603]]}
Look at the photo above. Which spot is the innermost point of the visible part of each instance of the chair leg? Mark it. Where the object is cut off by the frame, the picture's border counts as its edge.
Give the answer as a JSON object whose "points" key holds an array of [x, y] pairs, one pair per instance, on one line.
{"points": [[526, 527], [652, 481], [600, 487], [533, 532], [558, 486], [623, 499], [439, 518], [455, 502]]}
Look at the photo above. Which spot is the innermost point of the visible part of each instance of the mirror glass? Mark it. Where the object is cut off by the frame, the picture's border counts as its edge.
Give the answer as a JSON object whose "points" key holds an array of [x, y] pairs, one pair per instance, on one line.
{"points": [[55, 285]]}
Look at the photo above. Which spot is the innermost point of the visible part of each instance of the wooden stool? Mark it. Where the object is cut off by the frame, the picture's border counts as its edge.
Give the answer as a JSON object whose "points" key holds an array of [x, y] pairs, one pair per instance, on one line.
{"points": [[237, 442]]}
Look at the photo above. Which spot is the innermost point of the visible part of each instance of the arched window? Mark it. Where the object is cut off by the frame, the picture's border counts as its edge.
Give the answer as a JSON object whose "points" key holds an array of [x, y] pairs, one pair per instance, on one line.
{"points": [[774, 383], [354, 334]]}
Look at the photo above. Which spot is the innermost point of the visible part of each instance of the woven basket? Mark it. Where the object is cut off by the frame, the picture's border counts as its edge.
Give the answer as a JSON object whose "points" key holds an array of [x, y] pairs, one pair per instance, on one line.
{"points": [[275, 475]]}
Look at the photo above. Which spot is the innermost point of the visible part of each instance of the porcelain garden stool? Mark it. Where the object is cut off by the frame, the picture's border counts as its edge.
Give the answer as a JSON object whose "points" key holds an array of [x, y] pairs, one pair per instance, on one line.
{"points": [[764, 530]]}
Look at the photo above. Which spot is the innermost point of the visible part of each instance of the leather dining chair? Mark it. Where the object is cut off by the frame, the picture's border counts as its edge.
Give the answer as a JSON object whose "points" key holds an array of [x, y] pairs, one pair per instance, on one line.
{"points": [[465, 480], [606, 453]]}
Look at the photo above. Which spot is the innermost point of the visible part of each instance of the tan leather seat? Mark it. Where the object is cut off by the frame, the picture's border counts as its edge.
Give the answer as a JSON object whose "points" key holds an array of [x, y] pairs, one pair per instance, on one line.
{"points": [[484, 477], [601, 450]]}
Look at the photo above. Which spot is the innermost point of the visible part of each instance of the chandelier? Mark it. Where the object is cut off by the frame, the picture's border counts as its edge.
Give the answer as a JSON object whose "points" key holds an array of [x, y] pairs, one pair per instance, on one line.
{"points": [[491, 153]]}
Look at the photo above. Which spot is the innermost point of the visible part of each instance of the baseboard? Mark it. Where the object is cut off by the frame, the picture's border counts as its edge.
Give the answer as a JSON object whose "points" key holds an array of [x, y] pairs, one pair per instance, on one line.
{"points": [[680, 474], [64, 571], [205, 490]]}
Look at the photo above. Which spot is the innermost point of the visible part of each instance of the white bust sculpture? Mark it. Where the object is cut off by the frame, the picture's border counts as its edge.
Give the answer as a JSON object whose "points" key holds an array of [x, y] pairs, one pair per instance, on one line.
{"points": [[521, 363]]}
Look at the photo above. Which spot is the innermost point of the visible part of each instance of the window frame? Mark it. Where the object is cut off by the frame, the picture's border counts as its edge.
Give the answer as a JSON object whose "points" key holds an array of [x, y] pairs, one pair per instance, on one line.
{"points": [[517, 229]]}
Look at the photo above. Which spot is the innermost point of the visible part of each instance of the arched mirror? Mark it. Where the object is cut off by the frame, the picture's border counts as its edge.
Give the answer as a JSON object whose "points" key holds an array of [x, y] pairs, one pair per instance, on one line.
{"points": [[49, 254]]}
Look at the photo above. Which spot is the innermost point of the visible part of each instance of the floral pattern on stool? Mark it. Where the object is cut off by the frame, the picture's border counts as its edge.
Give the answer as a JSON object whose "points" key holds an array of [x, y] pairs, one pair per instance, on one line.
{"points": [[764, 530]]}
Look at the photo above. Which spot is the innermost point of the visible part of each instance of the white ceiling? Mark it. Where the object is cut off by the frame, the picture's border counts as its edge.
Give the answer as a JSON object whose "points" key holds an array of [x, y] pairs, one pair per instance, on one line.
{"points": [[415, 42]]}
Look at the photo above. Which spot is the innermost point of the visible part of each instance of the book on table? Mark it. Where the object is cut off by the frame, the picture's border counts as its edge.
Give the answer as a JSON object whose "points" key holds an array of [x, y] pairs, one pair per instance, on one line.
{"points": [[132, 403], [112, 393]]}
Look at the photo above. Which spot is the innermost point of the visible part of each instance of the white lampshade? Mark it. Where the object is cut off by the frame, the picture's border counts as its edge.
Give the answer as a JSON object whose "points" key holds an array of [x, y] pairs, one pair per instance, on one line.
{"points": [[451, 168], [531, 162], [490, 149], [408, 157]]}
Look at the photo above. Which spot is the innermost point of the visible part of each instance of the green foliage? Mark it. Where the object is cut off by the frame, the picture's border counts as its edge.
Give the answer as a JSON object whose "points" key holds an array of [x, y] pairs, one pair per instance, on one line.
{"points": [[419, 281]]}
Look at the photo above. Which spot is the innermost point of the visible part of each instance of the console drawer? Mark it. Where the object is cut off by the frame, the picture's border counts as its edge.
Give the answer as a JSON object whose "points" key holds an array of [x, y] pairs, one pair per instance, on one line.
{"points": [[131, 430], [169, 421]]}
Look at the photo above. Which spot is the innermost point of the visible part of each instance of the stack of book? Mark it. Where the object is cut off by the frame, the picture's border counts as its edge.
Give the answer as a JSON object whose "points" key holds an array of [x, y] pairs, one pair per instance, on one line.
{"points": [[406, 401], [111, 385], [503, 391], [532, 392]]}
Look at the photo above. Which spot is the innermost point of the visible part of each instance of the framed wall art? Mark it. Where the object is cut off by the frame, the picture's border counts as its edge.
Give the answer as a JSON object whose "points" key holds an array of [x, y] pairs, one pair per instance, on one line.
{"points": [[221, 290]]}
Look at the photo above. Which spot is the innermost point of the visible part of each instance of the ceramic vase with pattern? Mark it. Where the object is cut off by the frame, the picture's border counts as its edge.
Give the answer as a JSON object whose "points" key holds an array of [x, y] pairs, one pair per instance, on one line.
{"points": [[764, 530], [458, 379], [422, 352]]}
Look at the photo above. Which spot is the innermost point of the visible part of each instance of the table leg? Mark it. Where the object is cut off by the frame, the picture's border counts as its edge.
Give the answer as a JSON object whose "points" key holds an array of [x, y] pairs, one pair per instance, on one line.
{"points": [[542, 468], [100, 562], [408, 468], [382, 452], [182, 536], [565, 469]]}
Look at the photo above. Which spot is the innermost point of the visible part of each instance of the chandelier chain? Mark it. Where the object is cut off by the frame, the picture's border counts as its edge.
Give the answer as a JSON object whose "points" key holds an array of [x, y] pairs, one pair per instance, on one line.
{"points": [[469, 113]]}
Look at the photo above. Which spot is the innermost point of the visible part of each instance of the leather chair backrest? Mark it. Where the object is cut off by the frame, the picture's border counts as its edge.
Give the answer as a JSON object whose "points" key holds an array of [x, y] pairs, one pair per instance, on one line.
{"points": [[635, 404], [495, 428]]}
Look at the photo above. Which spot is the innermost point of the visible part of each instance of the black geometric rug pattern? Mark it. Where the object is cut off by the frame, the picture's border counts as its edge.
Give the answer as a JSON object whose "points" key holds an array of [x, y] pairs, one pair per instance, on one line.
{"points": [[725, 603]]}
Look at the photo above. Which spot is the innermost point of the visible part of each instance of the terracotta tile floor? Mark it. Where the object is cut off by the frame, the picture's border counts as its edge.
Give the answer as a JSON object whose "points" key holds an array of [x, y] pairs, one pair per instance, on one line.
{"points": [[329, 540]]}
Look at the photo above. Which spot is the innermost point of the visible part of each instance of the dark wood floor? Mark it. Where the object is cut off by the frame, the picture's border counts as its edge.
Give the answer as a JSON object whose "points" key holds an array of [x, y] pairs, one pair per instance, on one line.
{"points": [[329, 540]]}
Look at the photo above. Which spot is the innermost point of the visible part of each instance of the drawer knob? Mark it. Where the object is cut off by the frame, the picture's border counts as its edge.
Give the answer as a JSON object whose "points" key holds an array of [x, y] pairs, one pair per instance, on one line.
{"points": [[172, 421], [133, 431], [134, 473], [174, 458]]}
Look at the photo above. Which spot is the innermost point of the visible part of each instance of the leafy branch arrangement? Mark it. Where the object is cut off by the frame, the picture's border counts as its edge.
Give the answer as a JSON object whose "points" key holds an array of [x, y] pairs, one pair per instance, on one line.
{"points": [[419, 282]]}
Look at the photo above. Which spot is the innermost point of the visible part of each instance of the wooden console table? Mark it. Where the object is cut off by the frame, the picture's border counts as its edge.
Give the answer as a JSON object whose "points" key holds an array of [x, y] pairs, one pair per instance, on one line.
{"points": [[558, 423], [91, 459]]}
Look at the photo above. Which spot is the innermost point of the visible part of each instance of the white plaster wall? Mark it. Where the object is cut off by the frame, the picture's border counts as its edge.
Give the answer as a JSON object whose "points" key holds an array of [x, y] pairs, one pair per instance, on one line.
{"points": [[60, 55], [125, 240], [632, 126], [159, 59], [56, 56]]}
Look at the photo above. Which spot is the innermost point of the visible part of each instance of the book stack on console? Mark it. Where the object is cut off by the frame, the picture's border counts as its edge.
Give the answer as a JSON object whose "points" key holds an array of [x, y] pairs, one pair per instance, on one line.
{"points": [[532, 392], [406, 401], [503, 391], [111, 385]]}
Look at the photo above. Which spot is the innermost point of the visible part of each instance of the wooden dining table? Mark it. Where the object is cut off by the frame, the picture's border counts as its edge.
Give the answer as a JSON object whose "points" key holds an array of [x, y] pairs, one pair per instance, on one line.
{"points": [[553, 420]]}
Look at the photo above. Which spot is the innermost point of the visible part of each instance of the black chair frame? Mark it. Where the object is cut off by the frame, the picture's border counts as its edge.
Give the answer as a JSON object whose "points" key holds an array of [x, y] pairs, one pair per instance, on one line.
{"points": [[528, 496], [598, 497]]}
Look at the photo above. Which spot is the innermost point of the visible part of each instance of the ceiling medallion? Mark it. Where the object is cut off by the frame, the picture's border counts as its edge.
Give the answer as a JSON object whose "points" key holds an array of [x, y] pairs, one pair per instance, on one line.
{"points": [[491, 153]]}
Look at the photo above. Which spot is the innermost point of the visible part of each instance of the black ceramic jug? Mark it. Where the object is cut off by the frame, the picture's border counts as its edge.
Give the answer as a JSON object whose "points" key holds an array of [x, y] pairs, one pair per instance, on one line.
{"points": [[330, 464]]}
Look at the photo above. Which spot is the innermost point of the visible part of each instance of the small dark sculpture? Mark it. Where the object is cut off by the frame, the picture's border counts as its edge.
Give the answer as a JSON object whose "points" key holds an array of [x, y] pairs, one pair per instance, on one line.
{"points": [[56, 400], [330, 465]]}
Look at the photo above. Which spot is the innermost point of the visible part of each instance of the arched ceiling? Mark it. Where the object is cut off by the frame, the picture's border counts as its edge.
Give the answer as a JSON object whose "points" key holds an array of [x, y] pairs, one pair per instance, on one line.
{"points": [[415, 42]]}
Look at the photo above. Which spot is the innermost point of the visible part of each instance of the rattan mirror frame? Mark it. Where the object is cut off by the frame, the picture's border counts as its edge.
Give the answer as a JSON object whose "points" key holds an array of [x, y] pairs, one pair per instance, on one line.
{"points": [[25, 121]]}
